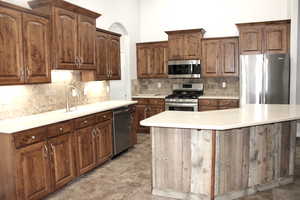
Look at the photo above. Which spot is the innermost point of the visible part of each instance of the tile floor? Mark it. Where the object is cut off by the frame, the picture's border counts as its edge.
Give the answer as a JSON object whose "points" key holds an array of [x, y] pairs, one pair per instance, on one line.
{"points": [[128, 177]]}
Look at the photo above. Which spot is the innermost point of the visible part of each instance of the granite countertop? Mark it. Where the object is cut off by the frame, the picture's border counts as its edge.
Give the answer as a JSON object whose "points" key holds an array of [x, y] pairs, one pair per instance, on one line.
{"points": [[248, 115], [162, 96], [219, 97], [33, 121]]}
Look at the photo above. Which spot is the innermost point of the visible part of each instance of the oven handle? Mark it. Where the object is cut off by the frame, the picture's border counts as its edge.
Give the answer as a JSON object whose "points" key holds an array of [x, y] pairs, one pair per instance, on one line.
{"points": [[182, 104]]}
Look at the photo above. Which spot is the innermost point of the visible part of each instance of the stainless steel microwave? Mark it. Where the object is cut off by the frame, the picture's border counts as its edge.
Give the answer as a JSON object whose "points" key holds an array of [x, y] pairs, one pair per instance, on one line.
{"points": [[184, 69]]}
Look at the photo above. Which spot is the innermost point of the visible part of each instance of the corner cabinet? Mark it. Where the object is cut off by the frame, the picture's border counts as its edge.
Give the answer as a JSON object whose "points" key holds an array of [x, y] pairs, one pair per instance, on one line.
{"points": [[152, 59], [25, 50], [108, 57], [220, 57], [265, 37], [73, 34], [185, 44]]}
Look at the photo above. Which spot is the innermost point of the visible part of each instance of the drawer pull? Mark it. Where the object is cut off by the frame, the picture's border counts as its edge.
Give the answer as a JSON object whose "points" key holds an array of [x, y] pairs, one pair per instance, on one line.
{"points": [[85, 122], [33, 137], [104, 116], [61, 129]]}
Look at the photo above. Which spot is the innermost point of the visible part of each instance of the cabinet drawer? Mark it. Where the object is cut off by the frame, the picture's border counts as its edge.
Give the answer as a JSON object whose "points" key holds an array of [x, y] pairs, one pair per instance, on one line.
{"points": [[25, 138], [156, 101], [60, 128], [208, 102], [85, 121], [229, 103], [207, 108], [142, 101], [104, 116]]}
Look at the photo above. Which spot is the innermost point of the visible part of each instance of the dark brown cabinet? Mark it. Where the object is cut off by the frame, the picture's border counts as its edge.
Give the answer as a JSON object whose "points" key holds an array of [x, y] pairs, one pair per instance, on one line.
{"points": [[220, 57], [24, 49], [73, 34], [264, 37], [217, 104], [103, 142], [33, 172], [152, 58], [147, 108], [62, 160], [108, 58], [185, 44]]}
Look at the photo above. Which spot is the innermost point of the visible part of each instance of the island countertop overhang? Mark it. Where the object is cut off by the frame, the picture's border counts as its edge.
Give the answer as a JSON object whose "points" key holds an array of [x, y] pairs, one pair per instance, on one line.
{"points": [[248, 115]]}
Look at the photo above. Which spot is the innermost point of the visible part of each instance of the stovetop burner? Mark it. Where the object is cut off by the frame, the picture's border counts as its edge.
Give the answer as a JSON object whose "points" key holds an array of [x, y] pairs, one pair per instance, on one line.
{"points": [[185, 95]]}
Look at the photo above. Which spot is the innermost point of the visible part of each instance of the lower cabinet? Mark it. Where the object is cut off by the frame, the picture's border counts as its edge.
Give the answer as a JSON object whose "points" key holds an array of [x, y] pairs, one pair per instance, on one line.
{"points": [[33, 172], [62, 160], [86, 159], [145, 108], [103, 142], [217, 104]]}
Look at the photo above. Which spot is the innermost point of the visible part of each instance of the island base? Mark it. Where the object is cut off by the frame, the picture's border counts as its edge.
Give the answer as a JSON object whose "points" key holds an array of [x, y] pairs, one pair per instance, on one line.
{"points": [[208, 164]]}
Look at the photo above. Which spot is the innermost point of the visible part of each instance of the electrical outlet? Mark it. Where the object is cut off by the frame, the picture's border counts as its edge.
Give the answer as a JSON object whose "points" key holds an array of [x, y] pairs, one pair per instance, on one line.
{"points": [[224, 85]]}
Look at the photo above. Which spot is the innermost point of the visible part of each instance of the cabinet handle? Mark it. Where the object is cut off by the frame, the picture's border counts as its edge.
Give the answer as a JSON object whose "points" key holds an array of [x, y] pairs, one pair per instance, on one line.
{"points": [[46, 151], [61, 129], [52, 147], [85, 122], [22, 73]]}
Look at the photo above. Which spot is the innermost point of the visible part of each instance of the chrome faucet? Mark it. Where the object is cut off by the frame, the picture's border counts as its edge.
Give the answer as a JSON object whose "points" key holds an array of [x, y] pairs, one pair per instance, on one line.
{"points": [[69, 92]]}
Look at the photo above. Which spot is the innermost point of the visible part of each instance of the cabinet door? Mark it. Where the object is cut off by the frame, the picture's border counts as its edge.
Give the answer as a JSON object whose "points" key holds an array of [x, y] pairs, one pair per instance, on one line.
{"points": [[160, 60], [86, 36], [104, 142], [192, 47], [211, 58], [230, 57], [85, 149], [207, 108], [62, 160], [101, 56], [176, 46], [36, 49], [114, 58], [153, 110], [276, 38], [141, 114], [65, 41], [251, 40], [33, 170], [11, 61], [144, 61]]}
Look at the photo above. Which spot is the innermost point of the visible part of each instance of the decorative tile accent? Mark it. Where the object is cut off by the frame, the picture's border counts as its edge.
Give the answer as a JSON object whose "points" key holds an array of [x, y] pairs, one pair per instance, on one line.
{"points": [[212, 86], [18, 101]]}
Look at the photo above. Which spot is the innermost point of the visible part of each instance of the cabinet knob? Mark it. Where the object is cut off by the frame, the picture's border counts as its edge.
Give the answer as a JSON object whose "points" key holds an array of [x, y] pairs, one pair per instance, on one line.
{"points": [[33, 137], [61, 129], [85, 122], [104, 116]]}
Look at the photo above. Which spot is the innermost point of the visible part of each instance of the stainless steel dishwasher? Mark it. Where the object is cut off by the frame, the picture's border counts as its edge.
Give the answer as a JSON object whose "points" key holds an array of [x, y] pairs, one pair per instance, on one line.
{"points": [[121, 129]]}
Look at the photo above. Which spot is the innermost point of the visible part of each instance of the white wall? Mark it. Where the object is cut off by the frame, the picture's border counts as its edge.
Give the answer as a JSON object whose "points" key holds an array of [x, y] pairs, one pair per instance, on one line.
{"points": [[217, 17], [125, 12]]}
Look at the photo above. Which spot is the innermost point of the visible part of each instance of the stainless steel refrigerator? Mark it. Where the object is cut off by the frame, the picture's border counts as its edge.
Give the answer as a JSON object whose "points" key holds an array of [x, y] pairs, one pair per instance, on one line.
{"points": [[264, 79]]}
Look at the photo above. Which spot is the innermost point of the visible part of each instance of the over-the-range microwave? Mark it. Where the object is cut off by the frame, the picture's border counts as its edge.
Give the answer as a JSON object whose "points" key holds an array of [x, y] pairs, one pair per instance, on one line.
{"points": [[184, 68]]}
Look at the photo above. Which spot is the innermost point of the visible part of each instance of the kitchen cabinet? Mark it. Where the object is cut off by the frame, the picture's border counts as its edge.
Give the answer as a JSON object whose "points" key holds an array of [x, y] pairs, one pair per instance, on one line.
{"points": [[152, 59], [220, 57], [108, 60], [62, 160], [33, 171], [185, 44], [73, 34], [217, 104], [24, 46], [147, 108], [264, 37]]}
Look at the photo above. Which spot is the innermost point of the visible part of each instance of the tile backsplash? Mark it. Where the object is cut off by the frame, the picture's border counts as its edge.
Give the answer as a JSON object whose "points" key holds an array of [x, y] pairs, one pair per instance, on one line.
{"points": [[212, 86], [22, 100]]}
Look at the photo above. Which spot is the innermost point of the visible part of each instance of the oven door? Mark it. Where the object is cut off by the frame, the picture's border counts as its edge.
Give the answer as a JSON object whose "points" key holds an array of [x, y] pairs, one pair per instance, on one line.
{"points": [[193, 107]]}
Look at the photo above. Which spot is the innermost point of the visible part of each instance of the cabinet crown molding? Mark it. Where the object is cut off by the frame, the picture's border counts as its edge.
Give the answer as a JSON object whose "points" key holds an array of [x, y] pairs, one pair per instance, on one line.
{"points": [[199, 30], [64, 5], [286, 21]]}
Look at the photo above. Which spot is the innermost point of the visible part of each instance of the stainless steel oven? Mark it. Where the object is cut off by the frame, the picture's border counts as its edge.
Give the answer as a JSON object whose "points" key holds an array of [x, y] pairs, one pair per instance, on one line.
{"points": [[184, 69], [180, 106]]}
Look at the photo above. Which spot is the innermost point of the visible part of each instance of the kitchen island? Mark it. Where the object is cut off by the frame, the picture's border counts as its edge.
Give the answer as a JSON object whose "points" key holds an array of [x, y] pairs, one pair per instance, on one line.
{"points": [[224, 154]]}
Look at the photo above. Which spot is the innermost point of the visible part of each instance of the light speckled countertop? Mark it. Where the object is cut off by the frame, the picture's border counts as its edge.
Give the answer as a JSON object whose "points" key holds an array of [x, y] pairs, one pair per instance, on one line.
{"points": [[248, 115], [33, 121]]}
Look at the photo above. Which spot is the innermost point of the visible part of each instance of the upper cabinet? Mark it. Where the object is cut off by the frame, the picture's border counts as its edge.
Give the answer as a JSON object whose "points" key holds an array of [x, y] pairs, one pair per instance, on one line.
{"points": [[220, 57], [73, 34], [24, 49], [185, 44], [108, 59], [264, 37], [152, 58]]}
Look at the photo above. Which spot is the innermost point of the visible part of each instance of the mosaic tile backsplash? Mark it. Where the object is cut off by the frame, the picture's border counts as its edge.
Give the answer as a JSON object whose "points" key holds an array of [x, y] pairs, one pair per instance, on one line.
{"points": [[18, 101], [212, 86]]}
